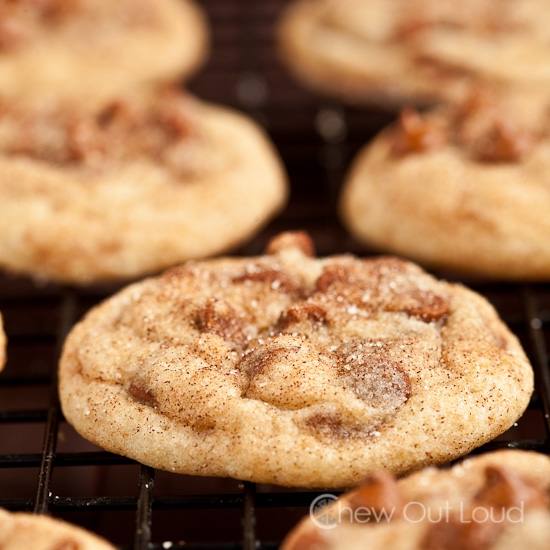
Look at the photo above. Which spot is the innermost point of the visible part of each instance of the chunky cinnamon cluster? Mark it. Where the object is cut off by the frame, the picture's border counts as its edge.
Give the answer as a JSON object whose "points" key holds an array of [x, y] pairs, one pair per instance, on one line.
{"points": [[124, 130], [480, 127]]}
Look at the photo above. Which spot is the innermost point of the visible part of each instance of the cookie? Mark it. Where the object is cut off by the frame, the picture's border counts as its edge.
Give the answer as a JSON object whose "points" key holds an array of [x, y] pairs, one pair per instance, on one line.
{"points": [[3, 342], [35, 532], [293, 370], [462, 188], [497, 500], [392, 52], [96, 49], [141, 184]]}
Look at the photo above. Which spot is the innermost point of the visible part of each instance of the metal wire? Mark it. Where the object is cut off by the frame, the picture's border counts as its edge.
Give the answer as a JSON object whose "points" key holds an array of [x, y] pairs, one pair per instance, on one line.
{"points": [[146, 503], [54, 409], [249, 516], [540, 355], [144, 512]]}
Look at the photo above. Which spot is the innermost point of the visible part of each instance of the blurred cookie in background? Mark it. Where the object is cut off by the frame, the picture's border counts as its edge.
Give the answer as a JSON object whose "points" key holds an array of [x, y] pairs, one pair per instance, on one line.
{"points": [[394, 52], [95, 49], [146, 182], [494, 501], [37, 532], [461, 188]]}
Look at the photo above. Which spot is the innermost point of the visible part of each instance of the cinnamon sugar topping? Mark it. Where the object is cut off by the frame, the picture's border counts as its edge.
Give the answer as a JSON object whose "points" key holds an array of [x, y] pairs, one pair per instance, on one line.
{"points": [[424, 304], [273, 334], [274, 277], [220, 318], [333, 276], [302, 312], [122, 131], [334, 426]]}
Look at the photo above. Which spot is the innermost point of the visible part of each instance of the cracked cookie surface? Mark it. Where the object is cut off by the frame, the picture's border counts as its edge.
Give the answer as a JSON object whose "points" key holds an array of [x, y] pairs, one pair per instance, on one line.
{"points": [[494, 501], [293, 370]]}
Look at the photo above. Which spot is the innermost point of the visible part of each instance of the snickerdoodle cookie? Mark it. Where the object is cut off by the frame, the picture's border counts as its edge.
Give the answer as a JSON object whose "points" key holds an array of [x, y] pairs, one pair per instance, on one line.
{"points": [[403, 51], [463, 188], [494, 501], [94, 49], [36, 532], [293, 370], [141, 184]]}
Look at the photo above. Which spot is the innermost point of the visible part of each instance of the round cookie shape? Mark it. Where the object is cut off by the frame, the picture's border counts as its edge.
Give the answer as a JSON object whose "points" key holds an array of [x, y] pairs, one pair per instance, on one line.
{"points": [[93, 50], [36, 532], [392, 52], [3, 342], [497, 500], [463, 189], [293, 370], [141, 184]]}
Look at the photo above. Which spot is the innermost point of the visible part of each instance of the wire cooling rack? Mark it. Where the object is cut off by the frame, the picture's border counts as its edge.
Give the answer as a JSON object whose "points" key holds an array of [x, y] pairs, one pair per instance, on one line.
{"points": [[46, 467]]}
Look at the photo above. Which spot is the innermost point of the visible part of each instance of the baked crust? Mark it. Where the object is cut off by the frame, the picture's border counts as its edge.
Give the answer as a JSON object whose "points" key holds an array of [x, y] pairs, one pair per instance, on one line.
{"points": [[497, 500], [95, 50], [475, 199], [395, 52], [133, 188], [36, 532], [293, 370], [3, 342]]}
